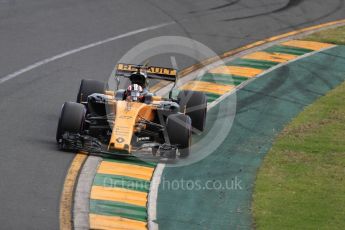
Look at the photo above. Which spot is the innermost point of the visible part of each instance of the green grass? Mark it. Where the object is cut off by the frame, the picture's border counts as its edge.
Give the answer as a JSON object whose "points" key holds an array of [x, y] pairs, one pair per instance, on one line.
{"points": [[301, 184], [335, 36]]}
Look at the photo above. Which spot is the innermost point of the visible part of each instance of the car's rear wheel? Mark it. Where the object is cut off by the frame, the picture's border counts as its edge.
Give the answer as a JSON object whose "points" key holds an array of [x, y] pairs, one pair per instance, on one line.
{"points": [[194, 104], [179, 132], [88, 87], [71, 119]]}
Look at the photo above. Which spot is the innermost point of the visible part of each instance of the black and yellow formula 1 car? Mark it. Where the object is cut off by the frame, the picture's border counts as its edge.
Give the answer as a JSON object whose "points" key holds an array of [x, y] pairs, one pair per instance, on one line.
{"points": [[131, 118]]}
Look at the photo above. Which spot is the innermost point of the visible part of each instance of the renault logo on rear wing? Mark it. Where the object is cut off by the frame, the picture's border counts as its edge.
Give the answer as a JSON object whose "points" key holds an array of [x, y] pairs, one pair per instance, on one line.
{"points": [[154, 72]]}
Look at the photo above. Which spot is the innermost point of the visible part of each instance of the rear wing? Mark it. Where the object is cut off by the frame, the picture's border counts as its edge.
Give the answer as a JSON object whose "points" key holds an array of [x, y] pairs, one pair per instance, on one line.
{"points": [[153, 72]]}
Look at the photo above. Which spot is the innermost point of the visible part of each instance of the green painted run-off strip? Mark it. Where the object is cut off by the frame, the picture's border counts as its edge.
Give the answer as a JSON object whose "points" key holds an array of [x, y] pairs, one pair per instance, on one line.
{"points": [[111, 208], [288, 50], [115, 181], [257, 64], [263, 108], [212, 97], [223, 79]]}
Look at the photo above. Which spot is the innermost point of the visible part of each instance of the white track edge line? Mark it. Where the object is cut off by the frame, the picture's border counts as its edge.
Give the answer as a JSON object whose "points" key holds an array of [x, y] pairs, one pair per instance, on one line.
{"points": [[82, 48]]}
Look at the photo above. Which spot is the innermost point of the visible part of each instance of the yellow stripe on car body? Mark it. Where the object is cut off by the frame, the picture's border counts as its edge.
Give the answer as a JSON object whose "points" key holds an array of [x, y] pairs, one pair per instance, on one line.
{"points": [[127, 114]]}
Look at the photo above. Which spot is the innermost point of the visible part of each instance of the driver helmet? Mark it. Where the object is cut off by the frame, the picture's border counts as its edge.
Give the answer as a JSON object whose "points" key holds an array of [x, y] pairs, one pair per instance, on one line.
{"points": [[138, 78], [134, 92]]}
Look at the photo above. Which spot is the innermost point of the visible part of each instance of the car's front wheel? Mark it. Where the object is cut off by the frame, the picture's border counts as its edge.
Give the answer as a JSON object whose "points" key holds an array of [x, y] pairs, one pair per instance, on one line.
{"points": [[179, 132], [71, 119], [194, 104]]}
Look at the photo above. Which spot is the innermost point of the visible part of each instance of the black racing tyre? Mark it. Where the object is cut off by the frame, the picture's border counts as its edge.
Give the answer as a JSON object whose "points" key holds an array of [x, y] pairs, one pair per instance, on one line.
{"points": [[71, 119], [180, 132], [154, 150], [88, 87], [194, 104]]}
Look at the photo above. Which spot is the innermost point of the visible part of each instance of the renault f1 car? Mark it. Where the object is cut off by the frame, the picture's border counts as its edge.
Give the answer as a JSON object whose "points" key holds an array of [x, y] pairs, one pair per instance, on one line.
{"points": [[129, 119]]}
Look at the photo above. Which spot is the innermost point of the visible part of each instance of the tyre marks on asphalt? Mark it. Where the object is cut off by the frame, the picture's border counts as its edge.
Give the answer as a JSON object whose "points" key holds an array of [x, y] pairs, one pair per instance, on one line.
{"points": [[119, 194], [120, 188], [223, 79]]}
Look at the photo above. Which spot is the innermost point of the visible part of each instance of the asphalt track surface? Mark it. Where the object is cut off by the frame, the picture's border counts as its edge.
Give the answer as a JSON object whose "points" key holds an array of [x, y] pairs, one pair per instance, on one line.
{"points": [[32, 170]]}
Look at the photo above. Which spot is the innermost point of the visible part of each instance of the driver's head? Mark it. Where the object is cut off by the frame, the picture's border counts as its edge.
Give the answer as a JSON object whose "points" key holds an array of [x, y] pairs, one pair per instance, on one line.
{"points": [[138, 78], [134, 92]]}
